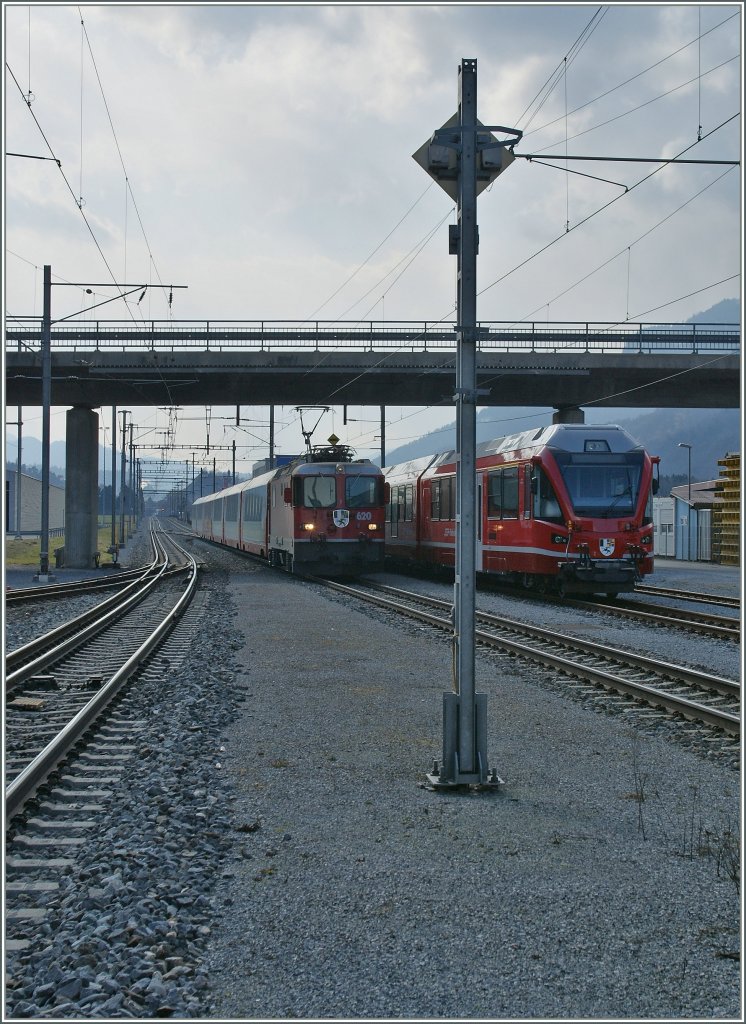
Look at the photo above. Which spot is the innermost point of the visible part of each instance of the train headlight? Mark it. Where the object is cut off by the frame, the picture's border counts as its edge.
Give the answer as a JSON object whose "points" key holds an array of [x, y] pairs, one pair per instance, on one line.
{"points": [[372, 526], [309, 526]]}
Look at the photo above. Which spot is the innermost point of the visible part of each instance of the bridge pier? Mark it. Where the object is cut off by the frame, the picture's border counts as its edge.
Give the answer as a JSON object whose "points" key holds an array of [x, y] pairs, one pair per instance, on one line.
{"points": [[568, 414], [81, 488]]}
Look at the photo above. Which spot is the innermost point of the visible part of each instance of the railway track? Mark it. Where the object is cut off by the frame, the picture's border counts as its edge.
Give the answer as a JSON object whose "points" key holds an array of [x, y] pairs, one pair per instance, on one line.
{"points": [[708, 700], [71, 732], [25, 595], [58, 685], [682, 595], [707, 623], [699, 621]]}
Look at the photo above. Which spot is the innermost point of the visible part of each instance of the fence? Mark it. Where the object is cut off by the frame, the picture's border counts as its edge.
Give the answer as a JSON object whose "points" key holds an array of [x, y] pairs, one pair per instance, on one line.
{"points": [[420, 336]]}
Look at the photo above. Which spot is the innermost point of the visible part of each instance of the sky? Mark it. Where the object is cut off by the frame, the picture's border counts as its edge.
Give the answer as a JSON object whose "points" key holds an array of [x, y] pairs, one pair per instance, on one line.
{"points": [[261, 156]]}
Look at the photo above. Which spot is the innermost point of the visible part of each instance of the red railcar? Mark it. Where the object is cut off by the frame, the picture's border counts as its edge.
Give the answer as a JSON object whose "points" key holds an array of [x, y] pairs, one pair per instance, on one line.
{"points": [[321, 514], [567, 506]]}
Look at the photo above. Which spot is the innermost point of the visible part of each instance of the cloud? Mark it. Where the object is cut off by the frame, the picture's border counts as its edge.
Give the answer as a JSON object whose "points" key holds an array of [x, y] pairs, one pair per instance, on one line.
{"points": [[268, 154]]}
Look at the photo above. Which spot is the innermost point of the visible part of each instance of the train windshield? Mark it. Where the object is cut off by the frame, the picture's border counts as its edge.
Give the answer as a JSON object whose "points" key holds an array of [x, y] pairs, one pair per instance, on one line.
{"points": [[361, 491], [601, 484], [319, 491]]}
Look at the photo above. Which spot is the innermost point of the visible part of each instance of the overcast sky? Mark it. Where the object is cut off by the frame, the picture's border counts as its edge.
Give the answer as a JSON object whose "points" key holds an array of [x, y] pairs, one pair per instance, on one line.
{"points": [[268, 154]]}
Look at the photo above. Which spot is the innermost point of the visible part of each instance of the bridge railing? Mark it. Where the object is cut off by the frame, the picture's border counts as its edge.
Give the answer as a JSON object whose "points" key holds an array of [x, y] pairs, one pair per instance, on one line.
{"points": [[370, 336]]}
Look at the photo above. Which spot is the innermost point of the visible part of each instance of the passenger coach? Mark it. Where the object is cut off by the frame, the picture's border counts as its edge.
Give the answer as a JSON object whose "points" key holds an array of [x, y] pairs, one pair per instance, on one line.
{"points": [[567, 507]]}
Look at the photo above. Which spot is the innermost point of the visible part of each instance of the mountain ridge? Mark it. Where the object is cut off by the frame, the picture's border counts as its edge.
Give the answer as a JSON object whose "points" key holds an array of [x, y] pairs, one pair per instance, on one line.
{"points": [[712, 433]]}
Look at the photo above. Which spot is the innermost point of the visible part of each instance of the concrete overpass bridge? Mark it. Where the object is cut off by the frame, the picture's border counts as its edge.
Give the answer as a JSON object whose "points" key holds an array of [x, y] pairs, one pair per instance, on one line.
{"points": [[567, 365], [564, 366]]}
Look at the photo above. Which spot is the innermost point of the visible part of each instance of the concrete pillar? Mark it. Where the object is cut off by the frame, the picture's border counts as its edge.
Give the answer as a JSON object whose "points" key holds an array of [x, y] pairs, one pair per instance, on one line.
{"points": [[568, 414], [81, 488]]}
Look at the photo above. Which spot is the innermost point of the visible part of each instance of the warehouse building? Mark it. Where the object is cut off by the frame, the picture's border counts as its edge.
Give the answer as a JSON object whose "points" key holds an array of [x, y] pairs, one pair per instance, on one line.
{"points": [[30, 513]]}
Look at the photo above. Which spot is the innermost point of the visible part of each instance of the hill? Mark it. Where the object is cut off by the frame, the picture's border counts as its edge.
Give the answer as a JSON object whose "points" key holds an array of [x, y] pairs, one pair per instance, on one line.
{"points": [[711, 432]]}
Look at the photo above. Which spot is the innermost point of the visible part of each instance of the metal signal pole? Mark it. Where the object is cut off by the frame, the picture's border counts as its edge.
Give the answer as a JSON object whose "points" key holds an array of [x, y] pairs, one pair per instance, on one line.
{"points": [[464, 157], [46, 392]]}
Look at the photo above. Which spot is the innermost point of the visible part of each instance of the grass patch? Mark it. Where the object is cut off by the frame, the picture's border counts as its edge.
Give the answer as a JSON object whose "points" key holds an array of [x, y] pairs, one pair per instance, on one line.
{"points": [[27, 550]]}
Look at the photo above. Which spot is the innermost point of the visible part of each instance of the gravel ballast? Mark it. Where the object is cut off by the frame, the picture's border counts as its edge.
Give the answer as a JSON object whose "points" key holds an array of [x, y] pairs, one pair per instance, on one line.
{"points": [[273, 854], [361, 894]]}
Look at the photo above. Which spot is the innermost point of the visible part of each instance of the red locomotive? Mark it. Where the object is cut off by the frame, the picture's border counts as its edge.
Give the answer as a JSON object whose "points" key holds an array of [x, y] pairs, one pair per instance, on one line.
{"points": [[566, 507], [322, 514]]}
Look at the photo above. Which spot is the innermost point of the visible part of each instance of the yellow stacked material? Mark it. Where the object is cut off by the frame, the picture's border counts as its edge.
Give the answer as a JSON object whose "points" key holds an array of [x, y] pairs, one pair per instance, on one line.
{"points": [[726, 516]]}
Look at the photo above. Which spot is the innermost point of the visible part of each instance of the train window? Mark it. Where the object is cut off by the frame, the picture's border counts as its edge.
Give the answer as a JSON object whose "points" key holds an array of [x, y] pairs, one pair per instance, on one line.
{"points": [[502, 494], [360, 491], [494, 495], [546, 506], [319, 491], [448, 510], [602, 484], [443, 498], [648, 509], [401, 508], [409, 503], [435, 499], [253, 507], [231, 509], [391, 505], [510, 493]]}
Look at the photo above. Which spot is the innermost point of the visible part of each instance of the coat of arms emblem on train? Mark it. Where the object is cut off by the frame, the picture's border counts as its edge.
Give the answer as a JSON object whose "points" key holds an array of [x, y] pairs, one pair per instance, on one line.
{"points": [[606, 546], [341, 517]]}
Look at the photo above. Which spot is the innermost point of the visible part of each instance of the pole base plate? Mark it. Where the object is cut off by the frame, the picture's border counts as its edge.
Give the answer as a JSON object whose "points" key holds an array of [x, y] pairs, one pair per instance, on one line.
{"points": [[464, 781]]}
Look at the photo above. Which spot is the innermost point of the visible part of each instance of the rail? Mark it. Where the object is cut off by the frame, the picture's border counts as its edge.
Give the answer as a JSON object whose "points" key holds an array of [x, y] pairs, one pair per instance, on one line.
{"points": [[597, 663], [420, 336], [32, 777]]}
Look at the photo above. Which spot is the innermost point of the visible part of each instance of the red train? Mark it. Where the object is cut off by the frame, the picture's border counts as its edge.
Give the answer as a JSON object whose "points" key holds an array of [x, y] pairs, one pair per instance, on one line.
{"points": [[322, 514], [566, 507]]}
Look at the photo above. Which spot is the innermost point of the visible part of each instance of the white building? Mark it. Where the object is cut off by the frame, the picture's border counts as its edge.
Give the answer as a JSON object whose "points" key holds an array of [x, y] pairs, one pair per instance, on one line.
{"points": [[663, 527], [693, 507], [31, 505]]}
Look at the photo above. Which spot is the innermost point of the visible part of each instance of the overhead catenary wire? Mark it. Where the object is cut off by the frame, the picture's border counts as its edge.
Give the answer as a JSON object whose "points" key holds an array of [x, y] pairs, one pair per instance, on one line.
{"points": [[407, 260], [119, 152], [69, 187], [340, 286], [600, 210], [632, 78], [546, 90], [640, 238], [629, 245], [585, 220], [368, 258], [641, 106], [607, 397]]}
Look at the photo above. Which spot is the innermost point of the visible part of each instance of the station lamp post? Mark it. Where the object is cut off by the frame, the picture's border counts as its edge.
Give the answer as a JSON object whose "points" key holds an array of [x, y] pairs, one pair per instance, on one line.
{"points": [[683, 444]]}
